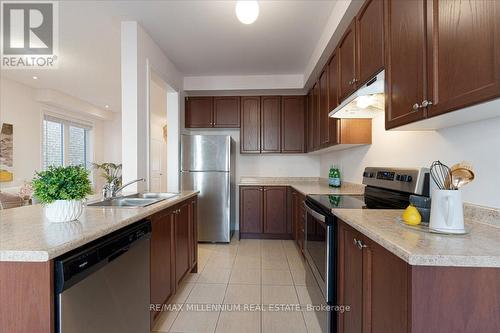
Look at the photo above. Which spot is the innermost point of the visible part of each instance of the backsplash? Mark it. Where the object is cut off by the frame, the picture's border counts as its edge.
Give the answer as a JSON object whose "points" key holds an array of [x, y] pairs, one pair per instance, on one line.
{"points": [[472, 142], [482, 214]]}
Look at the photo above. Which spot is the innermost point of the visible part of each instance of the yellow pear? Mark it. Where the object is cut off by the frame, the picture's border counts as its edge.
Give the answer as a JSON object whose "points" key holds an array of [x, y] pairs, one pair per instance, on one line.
{"points": [[411, 216]]}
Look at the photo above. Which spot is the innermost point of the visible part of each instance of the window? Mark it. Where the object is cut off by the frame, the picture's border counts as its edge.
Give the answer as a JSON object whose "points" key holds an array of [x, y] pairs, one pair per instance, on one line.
{"points": [[65, 142]]}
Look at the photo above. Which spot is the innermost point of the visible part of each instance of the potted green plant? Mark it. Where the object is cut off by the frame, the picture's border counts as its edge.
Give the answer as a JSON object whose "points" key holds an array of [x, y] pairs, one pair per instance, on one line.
{"points": [[111, 172], [62, 191]]}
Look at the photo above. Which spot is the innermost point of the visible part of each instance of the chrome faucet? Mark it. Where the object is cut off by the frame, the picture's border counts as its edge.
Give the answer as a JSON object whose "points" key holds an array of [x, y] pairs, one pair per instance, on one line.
{"points": [[111, 190]]}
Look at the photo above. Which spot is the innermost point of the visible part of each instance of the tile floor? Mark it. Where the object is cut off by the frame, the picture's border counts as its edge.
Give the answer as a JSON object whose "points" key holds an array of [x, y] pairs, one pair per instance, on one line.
{"points": [[252, 272]]}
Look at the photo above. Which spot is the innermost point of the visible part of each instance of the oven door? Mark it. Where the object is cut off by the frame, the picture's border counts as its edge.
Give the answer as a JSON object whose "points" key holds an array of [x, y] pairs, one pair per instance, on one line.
{"points": [[318, 250]]}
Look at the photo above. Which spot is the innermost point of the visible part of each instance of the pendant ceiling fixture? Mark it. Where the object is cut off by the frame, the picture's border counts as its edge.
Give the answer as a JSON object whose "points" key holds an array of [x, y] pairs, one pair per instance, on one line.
{"points": [[247, 11]]}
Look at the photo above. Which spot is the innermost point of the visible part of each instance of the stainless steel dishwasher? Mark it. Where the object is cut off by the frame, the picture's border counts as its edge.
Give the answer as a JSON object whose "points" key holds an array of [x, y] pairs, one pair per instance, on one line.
{"points": [[104, 286]]}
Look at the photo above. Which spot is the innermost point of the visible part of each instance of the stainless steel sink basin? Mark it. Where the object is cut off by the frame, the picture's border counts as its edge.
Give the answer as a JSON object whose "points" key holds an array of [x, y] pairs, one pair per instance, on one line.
{"points": [[134, 200]]}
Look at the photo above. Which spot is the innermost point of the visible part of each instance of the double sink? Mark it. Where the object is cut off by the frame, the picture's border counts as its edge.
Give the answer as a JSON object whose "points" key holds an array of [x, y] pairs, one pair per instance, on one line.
{"points": [[134, 200]]}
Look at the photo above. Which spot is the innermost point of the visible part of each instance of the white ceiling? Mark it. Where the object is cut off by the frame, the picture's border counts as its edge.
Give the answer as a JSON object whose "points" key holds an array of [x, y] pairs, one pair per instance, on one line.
{"points": [[199, 37]]}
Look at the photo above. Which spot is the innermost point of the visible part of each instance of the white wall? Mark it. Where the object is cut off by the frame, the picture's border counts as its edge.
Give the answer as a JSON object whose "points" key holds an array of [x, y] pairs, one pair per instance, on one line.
{"points": [[18, 107], [139, 57], [113, 133], [476, 142]]}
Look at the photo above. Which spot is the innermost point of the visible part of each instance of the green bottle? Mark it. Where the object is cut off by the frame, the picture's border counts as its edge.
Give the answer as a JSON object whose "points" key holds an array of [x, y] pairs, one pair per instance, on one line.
{"points": [[330, 176], [334, 177]]}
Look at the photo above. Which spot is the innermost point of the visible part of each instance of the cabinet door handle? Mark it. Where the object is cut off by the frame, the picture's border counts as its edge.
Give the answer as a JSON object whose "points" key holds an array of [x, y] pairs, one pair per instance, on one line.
{"points": [[359, 244], [426, 103], [415, 107]]}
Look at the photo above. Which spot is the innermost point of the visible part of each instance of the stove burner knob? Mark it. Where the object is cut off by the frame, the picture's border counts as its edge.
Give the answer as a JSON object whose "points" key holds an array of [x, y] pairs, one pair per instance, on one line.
{"points": [[370, 175], [406, 178]]}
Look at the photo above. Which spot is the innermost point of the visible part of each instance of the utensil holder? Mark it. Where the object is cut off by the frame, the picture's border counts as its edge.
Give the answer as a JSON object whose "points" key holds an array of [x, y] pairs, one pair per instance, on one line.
{"points": [[447, 213]]}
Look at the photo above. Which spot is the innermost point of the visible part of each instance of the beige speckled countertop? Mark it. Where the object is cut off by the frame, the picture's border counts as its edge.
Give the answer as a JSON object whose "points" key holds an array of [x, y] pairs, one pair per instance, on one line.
{"points": [[479, 248], [25, 234], [305, 185]]}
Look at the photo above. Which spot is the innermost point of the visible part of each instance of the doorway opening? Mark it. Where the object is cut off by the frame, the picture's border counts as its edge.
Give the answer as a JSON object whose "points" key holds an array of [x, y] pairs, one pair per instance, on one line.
{"points": [[163, 160]]}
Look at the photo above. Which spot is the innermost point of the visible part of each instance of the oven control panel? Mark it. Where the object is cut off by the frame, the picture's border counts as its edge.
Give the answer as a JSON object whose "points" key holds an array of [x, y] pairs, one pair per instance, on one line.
{"points": [[400, 179]]}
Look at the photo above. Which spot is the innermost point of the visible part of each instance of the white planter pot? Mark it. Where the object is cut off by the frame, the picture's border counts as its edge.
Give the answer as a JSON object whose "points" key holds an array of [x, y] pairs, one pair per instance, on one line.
{"points": [[64, 210]]}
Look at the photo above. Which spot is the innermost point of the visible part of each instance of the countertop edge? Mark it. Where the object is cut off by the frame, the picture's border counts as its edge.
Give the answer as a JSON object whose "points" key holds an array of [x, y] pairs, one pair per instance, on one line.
{"points": [[43, 256]]}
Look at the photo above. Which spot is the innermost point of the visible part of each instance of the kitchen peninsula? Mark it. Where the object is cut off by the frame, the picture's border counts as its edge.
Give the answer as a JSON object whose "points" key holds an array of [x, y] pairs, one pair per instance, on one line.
{"points": [[29, 244]]}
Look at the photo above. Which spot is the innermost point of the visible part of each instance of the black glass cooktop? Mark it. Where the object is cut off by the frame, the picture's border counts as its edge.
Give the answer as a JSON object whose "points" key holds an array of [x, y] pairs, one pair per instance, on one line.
{"points": [[339, 201], [374, 198]]}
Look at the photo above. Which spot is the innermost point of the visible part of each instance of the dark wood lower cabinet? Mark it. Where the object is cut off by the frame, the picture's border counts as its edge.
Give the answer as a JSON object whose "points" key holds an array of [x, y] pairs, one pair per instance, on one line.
{"points": [[27, 297], [263, 212], [387, 295], [373, 282], [173, 250], [275, 217], [251, 209], [297, 214], [193, 234], [161, 258], [182, 242], [350, 280]]}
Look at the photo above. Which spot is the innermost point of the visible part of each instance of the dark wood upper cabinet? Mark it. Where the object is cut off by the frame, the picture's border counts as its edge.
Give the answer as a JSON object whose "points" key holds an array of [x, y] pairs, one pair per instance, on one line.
{"points": [[463, 53], [347, 62], [292, 124], [271, 124], [315, 116], [250, 124], [440, 56], [199, 112], [310, 121], [251, 210], [275, 221], [333, 81], [227, 111], [161, 258], [333, 97], [405, 61], [323, 108], [369, 40], [182, 242]]}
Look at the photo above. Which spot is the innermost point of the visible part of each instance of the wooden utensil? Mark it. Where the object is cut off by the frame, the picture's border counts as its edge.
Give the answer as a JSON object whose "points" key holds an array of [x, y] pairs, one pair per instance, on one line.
{"points": [[461, 174]]}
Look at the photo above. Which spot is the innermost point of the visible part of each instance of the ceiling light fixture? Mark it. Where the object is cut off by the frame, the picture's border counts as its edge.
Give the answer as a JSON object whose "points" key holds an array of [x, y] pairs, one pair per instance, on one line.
{"points": [[35, 77], [106, 106], [247, 11]]}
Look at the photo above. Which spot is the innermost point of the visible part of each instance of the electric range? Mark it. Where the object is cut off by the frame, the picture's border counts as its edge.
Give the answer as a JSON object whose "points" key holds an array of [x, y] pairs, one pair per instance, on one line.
{"points": [[386, 188]]}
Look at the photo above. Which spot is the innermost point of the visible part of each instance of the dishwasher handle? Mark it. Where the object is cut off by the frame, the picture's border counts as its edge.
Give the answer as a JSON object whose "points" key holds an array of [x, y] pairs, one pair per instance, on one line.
{"points": [[118, 253]]}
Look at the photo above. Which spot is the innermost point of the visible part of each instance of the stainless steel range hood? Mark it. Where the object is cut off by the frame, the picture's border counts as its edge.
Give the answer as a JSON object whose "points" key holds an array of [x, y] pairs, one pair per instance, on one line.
{"points": [[365, 102]]}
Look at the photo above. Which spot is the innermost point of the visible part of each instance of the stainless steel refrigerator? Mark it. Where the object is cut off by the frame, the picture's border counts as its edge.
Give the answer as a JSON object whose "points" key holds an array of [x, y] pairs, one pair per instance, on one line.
{"points": [[207, 165]]}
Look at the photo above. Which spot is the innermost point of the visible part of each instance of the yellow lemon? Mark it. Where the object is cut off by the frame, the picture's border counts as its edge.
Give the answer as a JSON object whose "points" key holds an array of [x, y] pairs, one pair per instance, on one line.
{"points": [[411, 215]]}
